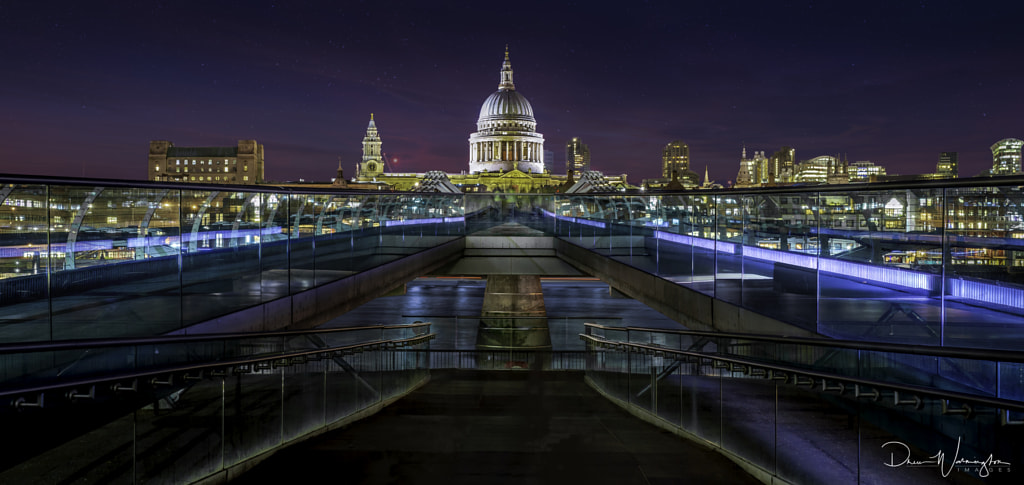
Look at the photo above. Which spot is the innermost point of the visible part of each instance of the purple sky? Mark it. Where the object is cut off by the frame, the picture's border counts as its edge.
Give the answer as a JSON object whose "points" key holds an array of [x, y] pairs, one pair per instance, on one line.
{"points": [[87, 85]]}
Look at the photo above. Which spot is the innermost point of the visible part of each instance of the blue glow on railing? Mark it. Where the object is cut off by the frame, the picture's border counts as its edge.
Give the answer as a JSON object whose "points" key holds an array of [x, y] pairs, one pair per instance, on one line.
{"points": [[142, 242], [966, 289], [986, 292], [28, 251], [455, 219], [412, 222], [879, 274], [693, 241], [577, 220], [795, 259]]}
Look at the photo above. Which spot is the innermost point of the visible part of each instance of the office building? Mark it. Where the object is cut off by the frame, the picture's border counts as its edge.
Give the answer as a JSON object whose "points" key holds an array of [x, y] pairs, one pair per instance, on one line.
{"points": [[577, 156], [241, 164], [948, 166], [675, 158], [1006, 157]]}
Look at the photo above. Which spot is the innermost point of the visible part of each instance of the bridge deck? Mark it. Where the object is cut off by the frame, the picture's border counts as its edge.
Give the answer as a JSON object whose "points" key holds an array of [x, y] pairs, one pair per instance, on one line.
{"points": [[478, 427]]}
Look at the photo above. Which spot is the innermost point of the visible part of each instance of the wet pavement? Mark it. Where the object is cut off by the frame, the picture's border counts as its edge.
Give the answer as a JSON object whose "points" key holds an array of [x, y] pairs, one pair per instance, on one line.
{"points": [[453, 307]]}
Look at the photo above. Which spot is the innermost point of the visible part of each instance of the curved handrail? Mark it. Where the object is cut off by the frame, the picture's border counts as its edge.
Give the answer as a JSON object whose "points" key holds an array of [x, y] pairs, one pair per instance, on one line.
{"points": [[224, 364], [933, 351], [940, 394], [163, 339]]}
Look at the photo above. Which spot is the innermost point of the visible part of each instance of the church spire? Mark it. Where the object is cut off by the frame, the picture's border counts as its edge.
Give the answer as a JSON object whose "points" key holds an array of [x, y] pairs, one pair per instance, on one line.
{"points": [[506, 74]]}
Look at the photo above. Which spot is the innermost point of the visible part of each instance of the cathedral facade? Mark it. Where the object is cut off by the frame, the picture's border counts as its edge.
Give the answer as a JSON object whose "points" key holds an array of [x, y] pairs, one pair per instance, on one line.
{"points": [[506, 154]]}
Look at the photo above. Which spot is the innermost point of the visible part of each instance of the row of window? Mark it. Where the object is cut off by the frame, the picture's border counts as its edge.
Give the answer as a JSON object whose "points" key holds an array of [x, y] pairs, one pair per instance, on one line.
{"points": [[201, 169], [170, 178], [206, 162]]}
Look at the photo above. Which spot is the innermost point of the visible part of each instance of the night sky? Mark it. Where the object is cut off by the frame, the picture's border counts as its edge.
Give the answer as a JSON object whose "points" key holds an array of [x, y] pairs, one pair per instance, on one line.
{"points": [[86, 85]]}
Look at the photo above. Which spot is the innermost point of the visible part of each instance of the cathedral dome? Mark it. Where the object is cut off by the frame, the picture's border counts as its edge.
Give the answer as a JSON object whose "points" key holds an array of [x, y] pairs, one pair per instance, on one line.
{"points": [[506, 105], [506, 138]]}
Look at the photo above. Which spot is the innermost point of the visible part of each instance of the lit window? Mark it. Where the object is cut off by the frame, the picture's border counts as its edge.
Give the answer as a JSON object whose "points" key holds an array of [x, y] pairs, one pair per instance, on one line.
{"points": [[246, 178], [157, 168], [177, 162]]}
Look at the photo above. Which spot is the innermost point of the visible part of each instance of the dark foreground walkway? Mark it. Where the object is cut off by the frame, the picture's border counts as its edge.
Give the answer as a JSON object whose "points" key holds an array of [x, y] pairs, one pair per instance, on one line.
{"points": [[477, 427]]}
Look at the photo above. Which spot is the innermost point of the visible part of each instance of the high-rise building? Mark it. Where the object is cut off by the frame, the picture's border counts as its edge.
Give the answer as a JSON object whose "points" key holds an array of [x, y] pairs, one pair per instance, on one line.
{"points": [[781, 166], [506, 137], [675, 158], [948, 166], [1006, 157], [241, 164], [577, 156]]}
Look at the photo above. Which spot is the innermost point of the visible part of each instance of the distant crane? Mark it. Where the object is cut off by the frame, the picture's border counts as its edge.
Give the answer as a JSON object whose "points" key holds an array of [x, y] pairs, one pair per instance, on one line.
{"points": [[387, 162]]}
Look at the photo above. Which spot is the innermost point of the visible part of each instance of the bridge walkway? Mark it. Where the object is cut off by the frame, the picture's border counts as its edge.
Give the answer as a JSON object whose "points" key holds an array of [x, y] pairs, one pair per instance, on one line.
{"points": [[495, 427]]}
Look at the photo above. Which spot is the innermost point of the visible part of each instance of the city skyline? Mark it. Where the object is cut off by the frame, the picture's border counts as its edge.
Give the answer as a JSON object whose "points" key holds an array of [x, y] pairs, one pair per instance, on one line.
{"points": [[897, 85]]}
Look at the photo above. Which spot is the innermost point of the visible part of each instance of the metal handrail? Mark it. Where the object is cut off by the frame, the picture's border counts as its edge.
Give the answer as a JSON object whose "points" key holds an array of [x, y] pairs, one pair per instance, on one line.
{"points": [[268, 188], [192, 186], [179, 369], [994, 402], [163, 339], [845, 188], [926, 350]]}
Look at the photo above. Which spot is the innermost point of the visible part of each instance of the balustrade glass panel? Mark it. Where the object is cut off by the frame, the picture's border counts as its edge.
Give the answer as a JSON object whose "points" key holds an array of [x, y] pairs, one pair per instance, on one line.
{"points": [[25, 232], [304, 210], [728, 248], [984, 290], [272, 219], [780, 251], [221, 270], [879, 274]]}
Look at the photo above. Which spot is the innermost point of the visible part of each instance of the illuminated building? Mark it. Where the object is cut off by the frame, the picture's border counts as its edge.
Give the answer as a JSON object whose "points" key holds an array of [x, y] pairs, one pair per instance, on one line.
{"points": [[675, 158], [373, 159], [506, 137], [814, 171], [506, 153], [1006, 157], [753, 171], [948, 166], [675, 169], [241, 164], [782, 165], [577, 156], [865, 171], [822, 170]]}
